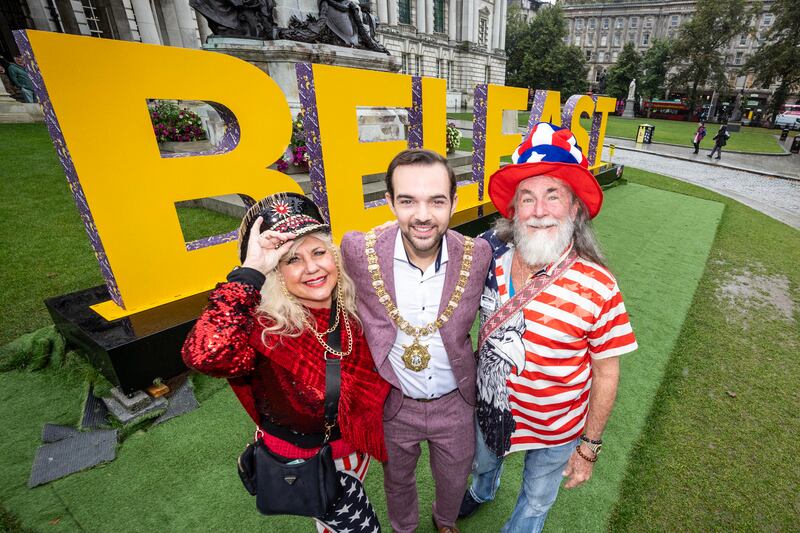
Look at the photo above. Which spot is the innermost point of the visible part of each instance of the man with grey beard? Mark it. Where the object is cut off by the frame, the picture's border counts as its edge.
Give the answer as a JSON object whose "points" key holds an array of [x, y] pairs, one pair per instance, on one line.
{"points": [[553, 325]]}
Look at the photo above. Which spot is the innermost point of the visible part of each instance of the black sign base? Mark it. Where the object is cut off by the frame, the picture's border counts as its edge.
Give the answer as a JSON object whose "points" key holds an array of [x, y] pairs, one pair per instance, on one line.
{"points": [[133, 351]]}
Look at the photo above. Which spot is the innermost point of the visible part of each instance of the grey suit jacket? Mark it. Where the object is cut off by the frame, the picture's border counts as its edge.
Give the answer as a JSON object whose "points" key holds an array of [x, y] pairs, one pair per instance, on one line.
{"points": [[381, 331]]}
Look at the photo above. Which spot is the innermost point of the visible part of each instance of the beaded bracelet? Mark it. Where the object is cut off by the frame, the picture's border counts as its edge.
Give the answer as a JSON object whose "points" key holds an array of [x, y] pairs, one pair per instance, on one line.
{"points": [[578, 449], [584, 438]]}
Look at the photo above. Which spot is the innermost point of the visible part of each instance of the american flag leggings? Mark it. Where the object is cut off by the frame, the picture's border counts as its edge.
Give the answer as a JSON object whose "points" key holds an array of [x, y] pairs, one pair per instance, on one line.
{"points": [[352, 513]]}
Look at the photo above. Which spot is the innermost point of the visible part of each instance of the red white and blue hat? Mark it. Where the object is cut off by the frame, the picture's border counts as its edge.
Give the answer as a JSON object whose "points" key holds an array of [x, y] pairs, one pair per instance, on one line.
{"points": [[548, 150]]}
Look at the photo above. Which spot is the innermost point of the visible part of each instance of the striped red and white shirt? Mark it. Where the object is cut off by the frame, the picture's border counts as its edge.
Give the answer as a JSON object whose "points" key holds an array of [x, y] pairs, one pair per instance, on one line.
{"points": [[578, 318]]}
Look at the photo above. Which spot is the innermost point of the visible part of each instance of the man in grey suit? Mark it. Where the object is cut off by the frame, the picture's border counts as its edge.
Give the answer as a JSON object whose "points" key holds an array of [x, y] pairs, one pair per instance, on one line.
{"points": [[418, 290]]}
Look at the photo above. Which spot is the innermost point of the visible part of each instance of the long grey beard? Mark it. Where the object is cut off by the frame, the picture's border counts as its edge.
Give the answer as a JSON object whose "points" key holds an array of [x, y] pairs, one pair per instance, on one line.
{"points": [[539, 249]]}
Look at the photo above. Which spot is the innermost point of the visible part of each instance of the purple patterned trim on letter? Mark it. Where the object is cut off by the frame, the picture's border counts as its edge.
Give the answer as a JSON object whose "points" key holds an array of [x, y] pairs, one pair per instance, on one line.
{"points": [[569, 110], [594, 135], [229, 140], [60, 145], [415, 114], [211, 241], [316, 169], [537, 110], [479, 139]]}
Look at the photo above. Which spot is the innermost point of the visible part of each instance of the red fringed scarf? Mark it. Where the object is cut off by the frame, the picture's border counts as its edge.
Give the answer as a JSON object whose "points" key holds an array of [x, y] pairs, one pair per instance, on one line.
{"points": [[363, 391]]}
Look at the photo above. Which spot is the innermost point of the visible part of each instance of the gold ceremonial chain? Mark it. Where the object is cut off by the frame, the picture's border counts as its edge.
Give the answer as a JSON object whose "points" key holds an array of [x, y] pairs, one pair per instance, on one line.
{"points": [[416, 355]]}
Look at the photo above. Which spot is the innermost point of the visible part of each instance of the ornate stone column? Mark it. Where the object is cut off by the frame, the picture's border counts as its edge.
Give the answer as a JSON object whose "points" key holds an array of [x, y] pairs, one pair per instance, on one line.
{"points": [[503, 22], [468, 20], [393, 16], [187, 24], [383, 11], [145, 21], [429, 25], [496, 14], [452, 20], [421, 16]]}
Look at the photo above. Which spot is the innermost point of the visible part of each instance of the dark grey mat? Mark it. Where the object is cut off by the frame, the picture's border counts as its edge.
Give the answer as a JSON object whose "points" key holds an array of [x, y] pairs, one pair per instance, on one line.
{"points": [[94, 411], [72, 454], [181, 402], [54, 432]]}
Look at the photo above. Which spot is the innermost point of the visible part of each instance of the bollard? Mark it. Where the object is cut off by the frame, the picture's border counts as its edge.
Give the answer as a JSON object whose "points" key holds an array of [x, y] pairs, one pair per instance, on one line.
{"points": [[611, 148]]}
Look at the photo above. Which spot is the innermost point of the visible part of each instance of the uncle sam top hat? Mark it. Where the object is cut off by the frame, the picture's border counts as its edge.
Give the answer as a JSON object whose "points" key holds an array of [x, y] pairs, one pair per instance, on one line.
{"points": [[287, 212], [548, 150]]}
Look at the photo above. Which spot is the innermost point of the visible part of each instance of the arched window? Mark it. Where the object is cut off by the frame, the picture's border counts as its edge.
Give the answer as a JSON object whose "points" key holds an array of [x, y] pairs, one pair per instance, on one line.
{"points": [[404, 8]]}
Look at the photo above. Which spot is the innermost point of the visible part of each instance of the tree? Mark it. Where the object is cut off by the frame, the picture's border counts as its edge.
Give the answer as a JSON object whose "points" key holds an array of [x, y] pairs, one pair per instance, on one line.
{"points": [[624, 70], [538, 58], [699, 50], [778, 58], [655, 66]]}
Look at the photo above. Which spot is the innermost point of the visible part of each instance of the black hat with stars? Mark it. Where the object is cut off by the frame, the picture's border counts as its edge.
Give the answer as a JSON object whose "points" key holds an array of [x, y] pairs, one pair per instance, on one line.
{"points": [[287, 212]]}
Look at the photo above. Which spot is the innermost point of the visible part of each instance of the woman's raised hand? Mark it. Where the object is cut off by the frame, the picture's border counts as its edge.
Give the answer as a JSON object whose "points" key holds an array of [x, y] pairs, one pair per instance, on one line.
{"points": [[265, 249]]}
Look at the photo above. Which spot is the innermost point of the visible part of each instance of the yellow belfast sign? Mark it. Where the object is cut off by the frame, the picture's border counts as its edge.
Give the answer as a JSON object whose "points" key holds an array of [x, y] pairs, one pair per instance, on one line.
{"points": [[96, 109]]}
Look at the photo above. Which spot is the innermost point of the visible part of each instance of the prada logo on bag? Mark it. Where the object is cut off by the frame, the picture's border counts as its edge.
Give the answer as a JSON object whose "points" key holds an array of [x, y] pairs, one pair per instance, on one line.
{"points": [[290, 479]]}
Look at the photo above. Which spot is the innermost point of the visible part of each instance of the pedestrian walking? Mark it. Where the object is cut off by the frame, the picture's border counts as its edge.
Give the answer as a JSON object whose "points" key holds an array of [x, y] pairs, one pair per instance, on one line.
{"points": [[720, 140], [698, 136]]}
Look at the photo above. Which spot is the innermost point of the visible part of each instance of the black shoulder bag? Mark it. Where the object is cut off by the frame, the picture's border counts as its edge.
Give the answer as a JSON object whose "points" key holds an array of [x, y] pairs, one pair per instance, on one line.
{"points": [[307, 488]]}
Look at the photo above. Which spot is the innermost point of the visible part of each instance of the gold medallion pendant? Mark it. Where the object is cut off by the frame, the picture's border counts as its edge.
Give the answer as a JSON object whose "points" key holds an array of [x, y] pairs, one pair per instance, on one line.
{"points": [[416, 356]]}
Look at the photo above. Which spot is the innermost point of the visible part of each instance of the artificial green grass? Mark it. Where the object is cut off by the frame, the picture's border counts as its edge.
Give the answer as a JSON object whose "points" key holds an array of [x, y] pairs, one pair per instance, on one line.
{"points": [[188, 462], [717, 451], [749, 140]]}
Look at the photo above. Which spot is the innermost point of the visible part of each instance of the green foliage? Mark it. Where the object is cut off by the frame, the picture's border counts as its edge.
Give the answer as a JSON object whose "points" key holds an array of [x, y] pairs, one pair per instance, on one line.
{"points": [[699, 50], [453, 137], [627, 67], [778, 58], [655, 65], [537, 55]]}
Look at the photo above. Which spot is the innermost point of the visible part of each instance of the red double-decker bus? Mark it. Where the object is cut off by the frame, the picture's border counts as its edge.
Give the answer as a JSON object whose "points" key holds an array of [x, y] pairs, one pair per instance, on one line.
{"points": [[667, 109]]}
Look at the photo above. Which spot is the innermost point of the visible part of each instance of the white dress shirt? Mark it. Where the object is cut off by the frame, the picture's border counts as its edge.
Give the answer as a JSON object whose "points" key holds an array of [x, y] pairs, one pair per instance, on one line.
{"points": [[418, 296]]}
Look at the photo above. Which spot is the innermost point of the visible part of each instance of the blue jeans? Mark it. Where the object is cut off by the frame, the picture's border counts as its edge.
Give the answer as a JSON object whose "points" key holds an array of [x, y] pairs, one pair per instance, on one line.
{"points": [[541, 479]]}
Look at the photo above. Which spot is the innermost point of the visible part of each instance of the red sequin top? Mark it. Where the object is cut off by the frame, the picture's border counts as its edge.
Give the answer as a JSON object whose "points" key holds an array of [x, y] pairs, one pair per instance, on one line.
{"points": [[227, 342]]}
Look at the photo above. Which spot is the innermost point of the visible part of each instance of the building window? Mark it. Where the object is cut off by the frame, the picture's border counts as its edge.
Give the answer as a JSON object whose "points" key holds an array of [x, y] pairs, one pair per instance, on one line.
{"points": [[605, 23], [614, 56], [404, 8], [617, 39], [648, 22], [92, 18], [738, 59], [483, 32], [417, 66], [767, 20], [488, 74], [634, 22], [603, 40], [579, 24], [673, 21], [592, 24], [438, 16], [670, 34], [588, 55], [743, 40], [601, 56], [449, 74], [439, 68], [404, 64], [577, 40], [645, 39], [618, 23]]}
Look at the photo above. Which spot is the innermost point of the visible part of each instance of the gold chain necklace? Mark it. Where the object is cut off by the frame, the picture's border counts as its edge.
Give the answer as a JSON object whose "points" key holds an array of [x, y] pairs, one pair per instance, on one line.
{"points": [[416, 355]]}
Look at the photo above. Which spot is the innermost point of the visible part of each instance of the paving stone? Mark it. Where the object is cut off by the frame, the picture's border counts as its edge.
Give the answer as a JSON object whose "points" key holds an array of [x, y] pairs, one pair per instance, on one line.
{"points": [[72, 454], [135, 402], [126, 416]]}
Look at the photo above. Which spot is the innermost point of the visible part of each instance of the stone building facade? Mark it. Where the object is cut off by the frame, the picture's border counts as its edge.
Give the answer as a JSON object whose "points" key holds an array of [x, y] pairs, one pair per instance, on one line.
{"points": [[462, 41], [601, 29]]}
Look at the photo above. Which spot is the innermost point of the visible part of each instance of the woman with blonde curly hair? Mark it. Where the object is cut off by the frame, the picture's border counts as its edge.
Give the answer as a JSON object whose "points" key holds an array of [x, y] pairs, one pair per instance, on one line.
{"points": [[268, 331]]}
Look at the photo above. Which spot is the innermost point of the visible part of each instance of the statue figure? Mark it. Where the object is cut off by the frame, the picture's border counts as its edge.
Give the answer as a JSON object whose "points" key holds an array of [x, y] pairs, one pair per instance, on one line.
{"points": [[632, 89], [601, 82], [251, 19], [339, 22]]}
